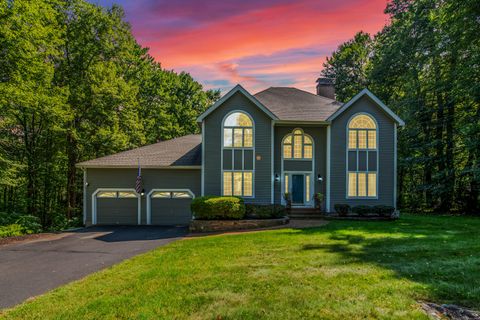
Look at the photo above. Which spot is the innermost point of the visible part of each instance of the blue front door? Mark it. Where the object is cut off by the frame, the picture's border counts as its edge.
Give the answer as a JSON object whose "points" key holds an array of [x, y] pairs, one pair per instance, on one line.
{"points": [[297, 188]]}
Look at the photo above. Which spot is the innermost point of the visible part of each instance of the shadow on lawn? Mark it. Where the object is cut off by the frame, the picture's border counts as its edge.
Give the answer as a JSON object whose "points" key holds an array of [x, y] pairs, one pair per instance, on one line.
{"points": [[443, 253]]}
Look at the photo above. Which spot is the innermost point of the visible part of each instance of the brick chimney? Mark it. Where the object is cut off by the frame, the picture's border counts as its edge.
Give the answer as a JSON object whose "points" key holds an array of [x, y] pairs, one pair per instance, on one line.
{"points": [[325, 88]]}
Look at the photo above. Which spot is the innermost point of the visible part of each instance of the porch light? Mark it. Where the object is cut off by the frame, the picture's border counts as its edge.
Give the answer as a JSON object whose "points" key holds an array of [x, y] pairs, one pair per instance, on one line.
{"points": [[142, 193], [86, 184], [319, 178], [277, 177]]}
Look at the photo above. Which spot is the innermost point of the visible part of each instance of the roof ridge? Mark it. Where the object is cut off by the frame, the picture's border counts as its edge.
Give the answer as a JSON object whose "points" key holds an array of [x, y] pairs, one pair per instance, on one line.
{"points": [[303, 91]]}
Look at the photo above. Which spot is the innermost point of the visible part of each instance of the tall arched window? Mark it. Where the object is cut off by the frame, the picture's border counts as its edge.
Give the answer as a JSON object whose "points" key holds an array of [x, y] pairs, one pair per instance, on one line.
{"points": [[238, 153], [362, 157], [297, 145]]}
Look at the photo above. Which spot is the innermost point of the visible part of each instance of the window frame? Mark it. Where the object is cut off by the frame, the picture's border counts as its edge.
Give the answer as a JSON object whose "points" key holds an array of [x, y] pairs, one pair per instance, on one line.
{"points": [[232, 149], [303, 144], [357, 150]]}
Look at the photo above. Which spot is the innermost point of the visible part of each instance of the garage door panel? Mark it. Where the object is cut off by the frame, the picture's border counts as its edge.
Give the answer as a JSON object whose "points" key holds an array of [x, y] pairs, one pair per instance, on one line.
{"points": [[170, 211], [117, 211]]}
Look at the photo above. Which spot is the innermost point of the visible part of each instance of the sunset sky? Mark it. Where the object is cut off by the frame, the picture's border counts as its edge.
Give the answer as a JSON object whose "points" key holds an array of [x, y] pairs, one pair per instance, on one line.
{"points": [[255, 43]]}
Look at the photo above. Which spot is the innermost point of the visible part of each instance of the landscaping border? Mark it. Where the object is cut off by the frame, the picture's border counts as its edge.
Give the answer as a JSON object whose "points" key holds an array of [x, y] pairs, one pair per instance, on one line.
{"points": [[229, 225]]}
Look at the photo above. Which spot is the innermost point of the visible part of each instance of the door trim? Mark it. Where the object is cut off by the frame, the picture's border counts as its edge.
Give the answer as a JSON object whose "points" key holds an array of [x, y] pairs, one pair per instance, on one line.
{"points": [[306, 204], [149, 200], [94, 203]]}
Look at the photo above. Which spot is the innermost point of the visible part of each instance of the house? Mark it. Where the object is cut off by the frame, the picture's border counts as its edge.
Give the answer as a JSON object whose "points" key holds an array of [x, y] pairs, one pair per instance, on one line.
{"points": [[280, 140]]}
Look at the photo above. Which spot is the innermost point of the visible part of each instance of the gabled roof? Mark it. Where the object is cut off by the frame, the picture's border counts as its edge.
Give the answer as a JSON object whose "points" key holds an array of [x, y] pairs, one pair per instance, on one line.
{"points": [[375, 99], [180, 152], [237, 88], [291, 104]]}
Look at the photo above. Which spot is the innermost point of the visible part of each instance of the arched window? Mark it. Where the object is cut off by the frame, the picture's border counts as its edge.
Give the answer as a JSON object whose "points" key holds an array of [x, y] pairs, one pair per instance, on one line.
{"points": [[362, 157], [297, 145], [238, 155]]}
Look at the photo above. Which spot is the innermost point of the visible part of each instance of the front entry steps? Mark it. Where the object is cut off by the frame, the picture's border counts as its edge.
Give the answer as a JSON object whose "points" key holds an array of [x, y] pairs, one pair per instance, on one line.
{"points": [[306, 213]]}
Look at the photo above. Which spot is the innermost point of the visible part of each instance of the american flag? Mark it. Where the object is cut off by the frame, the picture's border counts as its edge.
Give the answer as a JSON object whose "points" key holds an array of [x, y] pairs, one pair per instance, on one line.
{"points": [[138, 183]]}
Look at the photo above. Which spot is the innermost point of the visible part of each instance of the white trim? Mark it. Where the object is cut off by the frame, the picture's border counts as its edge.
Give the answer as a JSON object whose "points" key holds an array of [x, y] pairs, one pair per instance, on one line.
{"points": [[272, 142], [327, 203], [237, 88], [84, 196], [149, 200], [94, 203], [395, 166], [311, 203], [375, 99], [377, 130], [202, 186], [233, 153]]}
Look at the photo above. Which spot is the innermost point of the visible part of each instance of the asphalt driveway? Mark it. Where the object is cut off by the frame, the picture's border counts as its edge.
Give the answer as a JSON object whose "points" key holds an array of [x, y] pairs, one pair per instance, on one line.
{"points": [[31, 268]]}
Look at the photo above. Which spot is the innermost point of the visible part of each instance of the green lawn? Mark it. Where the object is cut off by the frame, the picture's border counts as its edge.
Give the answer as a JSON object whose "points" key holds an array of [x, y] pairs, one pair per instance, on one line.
{"points": [[344, 270]]}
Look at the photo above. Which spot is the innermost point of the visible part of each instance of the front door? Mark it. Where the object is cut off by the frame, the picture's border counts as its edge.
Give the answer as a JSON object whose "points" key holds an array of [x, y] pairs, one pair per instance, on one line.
{"points": [[297, 188]]}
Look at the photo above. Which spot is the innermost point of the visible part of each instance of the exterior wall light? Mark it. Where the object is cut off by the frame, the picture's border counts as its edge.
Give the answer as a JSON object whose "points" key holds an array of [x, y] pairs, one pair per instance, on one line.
{"points": [[277, 177], [319, 178], [142, 193]]}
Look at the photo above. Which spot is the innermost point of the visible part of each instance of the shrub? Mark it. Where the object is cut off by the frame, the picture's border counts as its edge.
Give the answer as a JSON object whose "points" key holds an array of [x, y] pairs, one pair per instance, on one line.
{"points": [[213, 207], [11, 230], [362, 210], [264, 211], [384, 211], [8, 218], [342, 209], [30, 224]]}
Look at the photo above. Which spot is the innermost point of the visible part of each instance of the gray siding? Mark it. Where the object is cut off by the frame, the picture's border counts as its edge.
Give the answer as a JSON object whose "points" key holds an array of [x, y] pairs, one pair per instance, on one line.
{"points": [[213, 146], [319, 135], [152, 179], [338, 183]]}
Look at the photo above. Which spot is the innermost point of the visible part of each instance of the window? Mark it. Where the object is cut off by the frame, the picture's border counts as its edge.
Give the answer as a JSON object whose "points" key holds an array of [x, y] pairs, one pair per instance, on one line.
{"points": [[171, 195], [362, 157], [116, 194], [297, 145], [238, 131], [238, 155]]}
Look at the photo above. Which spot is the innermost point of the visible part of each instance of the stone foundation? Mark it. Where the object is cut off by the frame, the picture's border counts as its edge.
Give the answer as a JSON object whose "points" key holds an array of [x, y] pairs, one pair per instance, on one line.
{"points": [[228, 225]]}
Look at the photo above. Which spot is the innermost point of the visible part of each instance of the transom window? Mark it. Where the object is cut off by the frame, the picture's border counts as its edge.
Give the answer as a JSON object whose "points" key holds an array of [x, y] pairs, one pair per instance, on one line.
{"points": [[238, 131], [362, 163], [116, 194], [238, 155], [171, 195], [297, 145]]}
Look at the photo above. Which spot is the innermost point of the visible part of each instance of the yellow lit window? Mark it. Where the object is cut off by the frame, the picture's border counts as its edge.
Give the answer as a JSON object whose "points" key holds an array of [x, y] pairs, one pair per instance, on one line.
{"points": [[352, 139], [352, 184], [107, 194], [307, 150], [237, 137], [161, 194], [287, 151], [372, 184], [238, 119], [297, 147], [181, 195], [227, 183], [372, 139], [237, 183], [286, 184], [362, 139], [247, 137], [227, 137], [307, 187], [127, 194], [362, 184], [247, 184]]}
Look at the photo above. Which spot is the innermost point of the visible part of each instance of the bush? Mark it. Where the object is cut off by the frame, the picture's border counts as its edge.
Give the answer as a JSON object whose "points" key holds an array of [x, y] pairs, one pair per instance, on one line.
{"points": [[264, 211], [11, 230], [384, 211], [30, 224], [218, 208], [362, 210], [61, 222], [342, 209], [8, 218]]}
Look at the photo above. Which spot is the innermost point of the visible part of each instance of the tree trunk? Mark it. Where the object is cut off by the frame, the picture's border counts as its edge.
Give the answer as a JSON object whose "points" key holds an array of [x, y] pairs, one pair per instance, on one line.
{"points": [[71, 175]]}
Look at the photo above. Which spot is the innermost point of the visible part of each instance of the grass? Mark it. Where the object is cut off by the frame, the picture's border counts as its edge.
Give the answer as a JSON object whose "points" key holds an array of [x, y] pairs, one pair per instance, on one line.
{"points": [[344, 270]]}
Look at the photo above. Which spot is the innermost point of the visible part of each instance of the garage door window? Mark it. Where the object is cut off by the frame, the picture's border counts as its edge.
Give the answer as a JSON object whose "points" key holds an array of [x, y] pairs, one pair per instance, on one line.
{"points": [[115, 194], [171, 195]]}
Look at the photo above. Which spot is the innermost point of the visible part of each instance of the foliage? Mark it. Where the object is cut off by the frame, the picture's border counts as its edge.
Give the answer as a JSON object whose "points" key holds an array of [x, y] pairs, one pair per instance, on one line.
{"points": [[213, 208], [12, 224], [385, 211], [30, 224], [342, 209], [11, 230], [362, 210], [312, 273], [75, 85], [264, 211], [425, 65]]}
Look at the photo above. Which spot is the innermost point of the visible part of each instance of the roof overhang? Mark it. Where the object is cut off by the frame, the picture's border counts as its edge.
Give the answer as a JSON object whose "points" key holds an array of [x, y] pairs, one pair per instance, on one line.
{"points": [[237, 88], [93, 166], [375, 99], [299, 122]]}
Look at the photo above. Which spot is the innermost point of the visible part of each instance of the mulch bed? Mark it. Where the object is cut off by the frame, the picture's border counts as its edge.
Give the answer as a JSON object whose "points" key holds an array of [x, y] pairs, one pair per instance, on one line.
{"points": [[26, 237], [449, 311]]}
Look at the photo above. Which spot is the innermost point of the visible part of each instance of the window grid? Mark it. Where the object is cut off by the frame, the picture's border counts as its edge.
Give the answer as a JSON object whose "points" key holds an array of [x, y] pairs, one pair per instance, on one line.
{"points": [[297, 145], [362, 136]]}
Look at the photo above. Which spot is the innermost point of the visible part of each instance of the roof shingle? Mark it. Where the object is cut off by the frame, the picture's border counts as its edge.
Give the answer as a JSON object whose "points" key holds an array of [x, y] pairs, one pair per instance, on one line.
{"points": [[297, 105], [182, 151]]}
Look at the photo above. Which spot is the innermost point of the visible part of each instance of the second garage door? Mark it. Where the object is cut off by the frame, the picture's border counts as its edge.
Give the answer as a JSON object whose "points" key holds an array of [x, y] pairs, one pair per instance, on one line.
{"points": [[170, 207]]}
